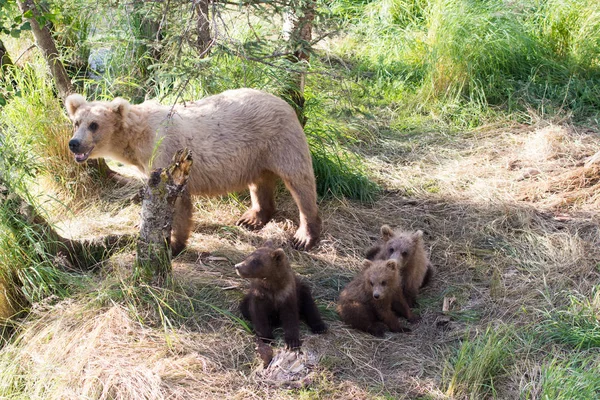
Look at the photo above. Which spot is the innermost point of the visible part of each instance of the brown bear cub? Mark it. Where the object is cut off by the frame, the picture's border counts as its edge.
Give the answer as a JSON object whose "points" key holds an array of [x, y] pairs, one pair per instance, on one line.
{"points": [[408, 249], [277, 296], [374, 299]]}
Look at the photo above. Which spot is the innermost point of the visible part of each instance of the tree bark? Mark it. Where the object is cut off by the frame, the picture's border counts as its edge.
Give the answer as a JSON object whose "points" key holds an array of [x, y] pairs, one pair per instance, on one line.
{"points": [[45, 42], [204, 40], [298, 30], [153, 262]]}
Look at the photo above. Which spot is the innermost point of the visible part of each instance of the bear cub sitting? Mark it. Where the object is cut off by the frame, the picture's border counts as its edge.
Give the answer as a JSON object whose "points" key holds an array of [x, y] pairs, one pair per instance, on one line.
{"points": [[374, 299], [408, 249], [277, 296]]}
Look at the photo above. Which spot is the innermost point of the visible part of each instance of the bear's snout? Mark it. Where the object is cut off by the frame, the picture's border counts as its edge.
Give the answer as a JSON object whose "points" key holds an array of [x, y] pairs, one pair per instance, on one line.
{"points": [[376, 295], [74, 145]]}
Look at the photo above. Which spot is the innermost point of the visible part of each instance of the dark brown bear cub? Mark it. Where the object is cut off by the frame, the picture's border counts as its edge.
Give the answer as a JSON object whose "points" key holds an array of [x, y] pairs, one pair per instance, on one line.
{"points": [[373, 299], [408, 249], [277, 296]]}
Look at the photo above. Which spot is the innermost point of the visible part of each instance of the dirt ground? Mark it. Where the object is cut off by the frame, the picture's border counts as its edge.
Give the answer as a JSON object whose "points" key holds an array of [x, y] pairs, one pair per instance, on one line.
{"points": [[510, 220]]}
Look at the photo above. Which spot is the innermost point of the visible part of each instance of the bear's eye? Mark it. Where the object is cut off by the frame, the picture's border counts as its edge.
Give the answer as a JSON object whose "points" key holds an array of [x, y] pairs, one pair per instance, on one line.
{"points": [[405, 253], [93, 126], [76, 124], [383, 283], [391, 250], [371, 283]]}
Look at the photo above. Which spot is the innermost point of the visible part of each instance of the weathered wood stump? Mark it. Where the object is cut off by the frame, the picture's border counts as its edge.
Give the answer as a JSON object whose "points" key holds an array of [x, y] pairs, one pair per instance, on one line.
{"points": [[164, 186]]}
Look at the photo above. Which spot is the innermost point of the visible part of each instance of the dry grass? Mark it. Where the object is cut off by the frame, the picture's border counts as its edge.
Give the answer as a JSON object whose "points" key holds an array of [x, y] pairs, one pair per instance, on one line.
{"points": [[503, 251]]}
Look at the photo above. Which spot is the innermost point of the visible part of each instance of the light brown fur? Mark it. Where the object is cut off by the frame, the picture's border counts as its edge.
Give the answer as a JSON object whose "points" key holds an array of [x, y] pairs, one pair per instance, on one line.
{"points": [[239, 138], [372, 301], [408, 249]]}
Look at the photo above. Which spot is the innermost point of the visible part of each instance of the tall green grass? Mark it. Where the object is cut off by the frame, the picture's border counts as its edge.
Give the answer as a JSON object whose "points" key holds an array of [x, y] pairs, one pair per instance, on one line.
{"points": [[477, 365], [448, 55], [566, 378], [575, 324]]}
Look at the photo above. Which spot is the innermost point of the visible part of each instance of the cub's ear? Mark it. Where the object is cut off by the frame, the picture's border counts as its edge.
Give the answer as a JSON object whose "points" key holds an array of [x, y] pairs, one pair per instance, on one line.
{"points": [[73, 102], [278, 255], [120, 106], [386, 232], [418, 235], [366, 264], [391, 264]]}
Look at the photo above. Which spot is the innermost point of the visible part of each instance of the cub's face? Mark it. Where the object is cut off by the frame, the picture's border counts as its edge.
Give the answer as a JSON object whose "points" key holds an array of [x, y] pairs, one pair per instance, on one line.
{"points": [[93, 125], [263, 263], [381, 278], [398, 246]]}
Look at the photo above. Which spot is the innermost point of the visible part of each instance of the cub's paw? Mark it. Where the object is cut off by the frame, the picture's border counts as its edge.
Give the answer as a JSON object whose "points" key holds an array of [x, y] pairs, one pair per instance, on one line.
{"points": [[293, 343], [319, 328]]}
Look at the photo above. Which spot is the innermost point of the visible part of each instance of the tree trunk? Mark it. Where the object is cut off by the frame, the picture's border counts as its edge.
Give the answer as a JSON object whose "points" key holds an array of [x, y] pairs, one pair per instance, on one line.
{"points": [[158, 199], [45, 42], [297, 29], [204, 40], [4, 57]]}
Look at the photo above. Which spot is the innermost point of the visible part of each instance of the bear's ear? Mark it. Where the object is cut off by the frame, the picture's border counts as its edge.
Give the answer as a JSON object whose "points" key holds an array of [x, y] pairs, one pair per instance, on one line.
{"points": [[386, 232], [366, 264], [120, 106], [73, 102], [278, 255], [391, 264]]}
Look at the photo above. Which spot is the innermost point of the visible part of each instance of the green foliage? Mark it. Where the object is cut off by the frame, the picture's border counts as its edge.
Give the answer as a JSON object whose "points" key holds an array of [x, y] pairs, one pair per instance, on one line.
{"points": [[575, 325], [448, 54], [478, 364], [572, 377], [26, 265]]}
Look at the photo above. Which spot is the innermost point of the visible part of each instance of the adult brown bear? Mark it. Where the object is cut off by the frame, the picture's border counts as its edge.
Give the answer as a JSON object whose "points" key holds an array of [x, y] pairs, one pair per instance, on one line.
{"points": [[238, 138]]}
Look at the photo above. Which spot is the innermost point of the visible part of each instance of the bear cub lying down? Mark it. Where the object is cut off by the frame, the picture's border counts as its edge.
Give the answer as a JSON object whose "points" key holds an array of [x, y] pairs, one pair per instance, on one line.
{"points": [[374, 299], [408, 249], [277, 296]]}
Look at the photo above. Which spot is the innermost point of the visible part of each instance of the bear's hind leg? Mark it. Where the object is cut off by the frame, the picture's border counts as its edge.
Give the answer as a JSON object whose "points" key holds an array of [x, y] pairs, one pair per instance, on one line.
{"points": [[361, 317], [305, 195], [263, 202], [182, 222]]}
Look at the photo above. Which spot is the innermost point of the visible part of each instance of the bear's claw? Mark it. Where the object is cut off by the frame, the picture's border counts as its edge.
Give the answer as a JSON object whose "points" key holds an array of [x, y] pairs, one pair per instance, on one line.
{"points": [[253, 220], [303, 242]]}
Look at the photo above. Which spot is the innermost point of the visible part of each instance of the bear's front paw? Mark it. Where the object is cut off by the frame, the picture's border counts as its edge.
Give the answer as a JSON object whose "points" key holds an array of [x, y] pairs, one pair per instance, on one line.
{"points": [[319, 328], [293, 343]]}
